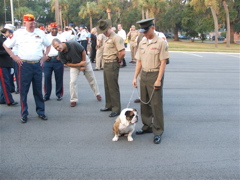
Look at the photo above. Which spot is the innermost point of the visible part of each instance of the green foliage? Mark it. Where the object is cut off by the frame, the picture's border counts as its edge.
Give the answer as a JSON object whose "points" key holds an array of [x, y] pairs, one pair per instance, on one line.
{"points": [[201, 23], [129, 18], [203, 36], [169, 14], [5, 12], [172, 16], [237, 27], [192, 33], [223, 34]]}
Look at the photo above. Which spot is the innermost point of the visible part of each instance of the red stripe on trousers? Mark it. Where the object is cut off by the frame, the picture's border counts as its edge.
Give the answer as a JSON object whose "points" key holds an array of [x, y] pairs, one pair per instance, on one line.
{"points": [[4, 88]]}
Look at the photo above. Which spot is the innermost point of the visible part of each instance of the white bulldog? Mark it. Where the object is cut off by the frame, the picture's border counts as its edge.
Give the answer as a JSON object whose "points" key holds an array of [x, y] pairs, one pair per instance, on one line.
{"points": [[125, 124]]}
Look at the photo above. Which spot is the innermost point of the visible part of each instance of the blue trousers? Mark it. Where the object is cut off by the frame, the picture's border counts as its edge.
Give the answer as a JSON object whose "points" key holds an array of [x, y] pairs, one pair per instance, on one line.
{"points": [[31, 73], [56, 66], [5, 90], [84, 44]]}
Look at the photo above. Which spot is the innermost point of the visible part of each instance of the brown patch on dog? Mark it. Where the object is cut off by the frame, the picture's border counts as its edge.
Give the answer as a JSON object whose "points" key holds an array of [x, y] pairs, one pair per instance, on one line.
{"points": [[116, 126], [129, 115]]}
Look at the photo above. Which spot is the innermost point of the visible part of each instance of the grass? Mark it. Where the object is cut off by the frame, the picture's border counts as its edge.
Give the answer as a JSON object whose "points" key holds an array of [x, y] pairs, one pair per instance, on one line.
{"points": [[198, 46]]}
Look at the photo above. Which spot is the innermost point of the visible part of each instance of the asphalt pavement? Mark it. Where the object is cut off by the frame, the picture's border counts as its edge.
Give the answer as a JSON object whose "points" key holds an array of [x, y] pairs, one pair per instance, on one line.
{"points": [[201, 138]]}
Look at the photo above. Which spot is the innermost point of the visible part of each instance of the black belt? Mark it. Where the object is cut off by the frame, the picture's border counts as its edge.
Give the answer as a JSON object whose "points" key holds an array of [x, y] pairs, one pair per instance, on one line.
{"points": [[51, 57]]}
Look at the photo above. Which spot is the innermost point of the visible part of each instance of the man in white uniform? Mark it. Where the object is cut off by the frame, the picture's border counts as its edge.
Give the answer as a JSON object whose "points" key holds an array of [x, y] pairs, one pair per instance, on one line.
{"points": [[123, 35], [30, 59], [83, 37], [52, 64]]}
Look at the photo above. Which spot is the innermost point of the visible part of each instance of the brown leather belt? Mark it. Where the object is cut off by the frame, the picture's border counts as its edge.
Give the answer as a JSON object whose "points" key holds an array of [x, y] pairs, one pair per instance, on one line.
{"points": [[150, 70], [109, 61], [33, 62]]}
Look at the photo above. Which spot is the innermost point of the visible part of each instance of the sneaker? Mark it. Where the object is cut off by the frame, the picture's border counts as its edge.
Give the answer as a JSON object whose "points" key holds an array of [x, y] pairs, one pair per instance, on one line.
{"points": [[43, 117]]}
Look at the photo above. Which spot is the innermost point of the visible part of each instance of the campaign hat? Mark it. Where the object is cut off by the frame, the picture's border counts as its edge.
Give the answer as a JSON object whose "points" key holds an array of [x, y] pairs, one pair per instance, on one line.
{"points": [[103, 25], [145, 24], [28, 17], [9, 27]]}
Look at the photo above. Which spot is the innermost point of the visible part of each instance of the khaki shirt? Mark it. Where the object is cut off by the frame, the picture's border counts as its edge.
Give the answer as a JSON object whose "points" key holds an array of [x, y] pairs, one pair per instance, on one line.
{"points": [[133, 35], [151, 54], [112, 45], [100, 40]]}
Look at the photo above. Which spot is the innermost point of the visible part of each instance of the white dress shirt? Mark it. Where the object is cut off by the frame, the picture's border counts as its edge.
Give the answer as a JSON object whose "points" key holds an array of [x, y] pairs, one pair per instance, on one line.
{"points": [[84, 35], [122, 34], [29, 43], [53, 51]]}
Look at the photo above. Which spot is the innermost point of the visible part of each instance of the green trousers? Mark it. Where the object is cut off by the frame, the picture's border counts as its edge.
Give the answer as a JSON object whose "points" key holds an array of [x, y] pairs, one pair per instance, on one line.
{"points": [[112, 93], [152, 113]]}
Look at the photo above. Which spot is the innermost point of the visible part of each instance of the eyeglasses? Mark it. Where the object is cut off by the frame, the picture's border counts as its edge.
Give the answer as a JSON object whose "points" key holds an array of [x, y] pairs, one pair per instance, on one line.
{"points": [[32, 23]]}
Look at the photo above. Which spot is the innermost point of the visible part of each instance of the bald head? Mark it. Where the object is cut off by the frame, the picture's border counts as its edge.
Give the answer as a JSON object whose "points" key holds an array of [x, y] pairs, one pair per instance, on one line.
{"points": [[58, 45]]}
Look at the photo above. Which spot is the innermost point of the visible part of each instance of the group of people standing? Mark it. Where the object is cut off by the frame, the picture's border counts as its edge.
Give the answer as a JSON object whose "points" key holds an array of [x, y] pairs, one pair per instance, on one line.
{"points": [[150, 55], [151, 58]]}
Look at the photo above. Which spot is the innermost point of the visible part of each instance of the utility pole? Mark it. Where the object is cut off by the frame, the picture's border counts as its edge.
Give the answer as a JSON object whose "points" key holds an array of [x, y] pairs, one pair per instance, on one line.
{"points": [[57, 17], [12, 15]]}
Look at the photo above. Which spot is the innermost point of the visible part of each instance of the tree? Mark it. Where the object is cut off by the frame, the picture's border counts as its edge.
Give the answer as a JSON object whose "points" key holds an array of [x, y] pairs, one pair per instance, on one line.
{"points": [[172, 18], [234, 12], [129, 16], [228, 22], [201, 22], [213, 5], [21, 11], [88, 10], [63, 6], [152, 8], [108, 6]]}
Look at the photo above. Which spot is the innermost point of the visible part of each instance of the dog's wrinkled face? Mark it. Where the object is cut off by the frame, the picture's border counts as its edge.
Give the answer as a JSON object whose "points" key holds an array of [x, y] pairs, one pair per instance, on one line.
{"points": [[129, 117]]}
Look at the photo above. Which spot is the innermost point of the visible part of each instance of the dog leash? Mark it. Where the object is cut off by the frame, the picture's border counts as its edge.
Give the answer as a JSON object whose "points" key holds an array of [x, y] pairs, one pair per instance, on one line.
{"points": [[149, 99], [130, 99], [140, 97]]}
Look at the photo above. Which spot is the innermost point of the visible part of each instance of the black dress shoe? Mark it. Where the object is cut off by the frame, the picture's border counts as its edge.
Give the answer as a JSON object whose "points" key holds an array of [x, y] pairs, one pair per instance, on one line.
{"points": [[139, 132], [114, 114], [137, 101], [13, 103], [23, 119], [106, 109], [59, 98], [45, 99], [157, 139], [43, 117]]}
